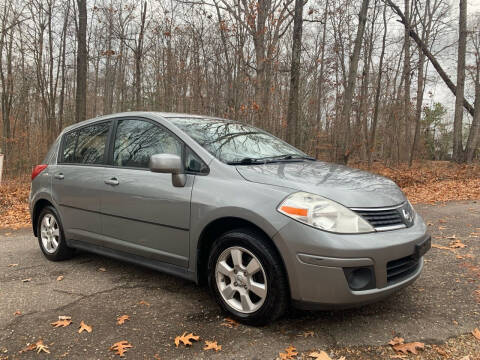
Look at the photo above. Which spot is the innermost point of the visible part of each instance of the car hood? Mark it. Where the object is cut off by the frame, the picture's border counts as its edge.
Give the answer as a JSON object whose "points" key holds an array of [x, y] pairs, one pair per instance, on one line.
{"points": [[350, 187]]}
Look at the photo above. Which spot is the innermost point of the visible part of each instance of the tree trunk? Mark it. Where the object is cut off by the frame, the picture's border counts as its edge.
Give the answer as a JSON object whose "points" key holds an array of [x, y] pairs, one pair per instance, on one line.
{"points": [[474, 135], [458, 154], [82, 59], [293, 101], [350, 88]]}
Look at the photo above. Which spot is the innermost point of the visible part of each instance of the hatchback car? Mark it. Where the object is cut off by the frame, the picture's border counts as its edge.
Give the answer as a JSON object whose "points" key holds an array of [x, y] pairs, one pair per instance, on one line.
{"points": [[214, 200]]}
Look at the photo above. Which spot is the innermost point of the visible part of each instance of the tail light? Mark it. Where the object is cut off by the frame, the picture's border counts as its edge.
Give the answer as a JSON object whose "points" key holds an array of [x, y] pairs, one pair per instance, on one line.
{"points": [[37, 170]]}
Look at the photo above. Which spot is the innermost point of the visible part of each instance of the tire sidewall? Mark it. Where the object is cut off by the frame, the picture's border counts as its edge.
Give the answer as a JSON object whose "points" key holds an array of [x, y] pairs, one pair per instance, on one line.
{"points": [[249, 242]]}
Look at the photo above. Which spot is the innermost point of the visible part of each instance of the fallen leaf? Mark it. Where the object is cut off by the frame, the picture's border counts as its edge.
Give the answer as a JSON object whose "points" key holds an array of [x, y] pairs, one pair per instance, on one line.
{"points": [[396, 341], [121, 319], [157, 357], [29, 347], [476, 333], [441, 247], [185, 339], [212, 345], [307, 334], [143, 302], [60, 278], [230, 323], [290, 353], [61, 322], [121, 347], [12, 265], [409, 347], [102, 269], [322, 355], [41, 347], [17, 313], [457, 244], [27, 280], [84, 327]]}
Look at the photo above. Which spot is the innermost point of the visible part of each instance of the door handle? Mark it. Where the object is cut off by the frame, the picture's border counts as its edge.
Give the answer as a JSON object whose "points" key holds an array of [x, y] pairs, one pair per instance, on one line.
{"points": [[112, 181], [59, 176]]}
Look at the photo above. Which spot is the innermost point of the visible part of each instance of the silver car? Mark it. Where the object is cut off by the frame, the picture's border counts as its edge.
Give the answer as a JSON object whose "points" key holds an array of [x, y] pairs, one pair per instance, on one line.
{"points": [[217, 201]]}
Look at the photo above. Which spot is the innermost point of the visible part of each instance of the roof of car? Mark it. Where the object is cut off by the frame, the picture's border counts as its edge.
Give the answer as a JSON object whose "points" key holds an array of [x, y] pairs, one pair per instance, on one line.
{"points": [[139, 114]]}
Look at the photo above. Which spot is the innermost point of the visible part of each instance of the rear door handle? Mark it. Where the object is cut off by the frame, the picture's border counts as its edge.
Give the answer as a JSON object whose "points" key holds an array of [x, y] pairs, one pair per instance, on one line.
{"points": [[112, 181], [59, 176]]}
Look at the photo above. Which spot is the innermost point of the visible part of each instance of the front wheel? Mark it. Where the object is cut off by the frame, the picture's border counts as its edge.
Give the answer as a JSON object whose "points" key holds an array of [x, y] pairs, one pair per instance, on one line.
{"points": [[247, 277]]}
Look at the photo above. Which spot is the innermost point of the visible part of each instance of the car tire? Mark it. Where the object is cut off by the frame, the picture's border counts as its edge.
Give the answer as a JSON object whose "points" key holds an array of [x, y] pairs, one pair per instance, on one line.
{"points": [[51, 236], [257, 275]]}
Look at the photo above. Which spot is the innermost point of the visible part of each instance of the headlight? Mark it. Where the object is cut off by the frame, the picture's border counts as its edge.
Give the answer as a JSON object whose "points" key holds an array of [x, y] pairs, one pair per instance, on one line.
{"points": [[324, 214]]}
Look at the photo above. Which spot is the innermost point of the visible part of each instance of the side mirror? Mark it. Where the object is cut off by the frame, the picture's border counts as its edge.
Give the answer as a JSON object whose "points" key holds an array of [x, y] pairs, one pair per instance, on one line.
{"points": [[168, 164]]}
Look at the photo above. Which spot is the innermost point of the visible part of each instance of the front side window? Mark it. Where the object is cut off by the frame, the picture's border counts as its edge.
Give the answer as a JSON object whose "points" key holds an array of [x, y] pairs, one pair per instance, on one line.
{"points": [[137, 140], [233, 142], [86, 145]]}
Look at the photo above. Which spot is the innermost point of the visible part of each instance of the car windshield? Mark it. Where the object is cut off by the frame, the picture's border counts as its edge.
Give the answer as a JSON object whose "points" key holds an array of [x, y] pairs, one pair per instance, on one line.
{"points": [[236, 143]]}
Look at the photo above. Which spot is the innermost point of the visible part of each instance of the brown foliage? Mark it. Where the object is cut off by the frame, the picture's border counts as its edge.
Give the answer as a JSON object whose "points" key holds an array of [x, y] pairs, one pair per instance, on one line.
{"points": [[424, 182]]}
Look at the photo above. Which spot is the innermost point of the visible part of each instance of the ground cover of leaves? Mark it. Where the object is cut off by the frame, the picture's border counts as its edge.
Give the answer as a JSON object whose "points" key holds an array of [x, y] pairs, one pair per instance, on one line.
{"points": [[425, 182]]}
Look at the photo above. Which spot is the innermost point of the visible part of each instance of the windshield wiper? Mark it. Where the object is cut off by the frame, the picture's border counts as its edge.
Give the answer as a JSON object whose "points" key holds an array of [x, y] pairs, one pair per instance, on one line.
{"points": [[270, 159]]}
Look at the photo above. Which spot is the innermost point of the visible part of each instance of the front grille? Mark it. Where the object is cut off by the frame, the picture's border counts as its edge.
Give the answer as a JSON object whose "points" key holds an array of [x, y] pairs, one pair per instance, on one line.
{"points": [[399, 269], [382, 218]]}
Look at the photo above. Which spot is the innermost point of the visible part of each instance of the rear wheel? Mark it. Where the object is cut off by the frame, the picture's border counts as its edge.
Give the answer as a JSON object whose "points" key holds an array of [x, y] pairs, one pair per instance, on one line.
{"points": [[247, 277], [51, 237]]}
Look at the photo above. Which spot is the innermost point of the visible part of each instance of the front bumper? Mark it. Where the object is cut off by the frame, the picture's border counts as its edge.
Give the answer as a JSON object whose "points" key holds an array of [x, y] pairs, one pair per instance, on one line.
{"points": [[316, 260]]}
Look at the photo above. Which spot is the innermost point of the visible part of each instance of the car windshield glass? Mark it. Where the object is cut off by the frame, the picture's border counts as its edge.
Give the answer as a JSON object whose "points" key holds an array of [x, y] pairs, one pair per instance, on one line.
{"points": [[236, 143]]}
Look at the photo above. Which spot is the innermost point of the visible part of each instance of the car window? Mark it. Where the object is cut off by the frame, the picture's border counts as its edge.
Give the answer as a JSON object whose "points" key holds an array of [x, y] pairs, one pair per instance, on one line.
{"points": [[69, 142], [193, 163], [91, 144], [137, 140], [230, 141], [86, 145]]}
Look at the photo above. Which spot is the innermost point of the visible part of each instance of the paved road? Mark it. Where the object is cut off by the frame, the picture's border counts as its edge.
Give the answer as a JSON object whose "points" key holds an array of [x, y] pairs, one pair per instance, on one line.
{"points": [[441, 304]]}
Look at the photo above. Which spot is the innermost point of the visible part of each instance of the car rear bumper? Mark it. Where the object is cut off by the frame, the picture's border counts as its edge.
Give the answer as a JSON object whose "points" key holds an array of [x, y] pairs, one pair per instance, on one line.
{"points": [[323, 267]]}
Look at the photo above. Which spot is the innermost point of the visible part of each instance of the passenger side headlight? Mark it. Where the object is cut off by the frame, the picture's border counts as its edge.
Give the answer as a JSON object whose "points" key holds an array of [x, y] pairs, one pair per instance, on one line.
{"points": [[324, 214]]}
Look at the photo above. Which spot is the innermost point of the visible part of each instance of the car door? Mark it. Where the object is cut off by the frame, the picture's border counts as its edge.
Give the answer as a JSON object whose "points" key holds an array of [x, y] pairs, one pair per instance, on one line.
{"points": [[142, 212], [77, 177]]}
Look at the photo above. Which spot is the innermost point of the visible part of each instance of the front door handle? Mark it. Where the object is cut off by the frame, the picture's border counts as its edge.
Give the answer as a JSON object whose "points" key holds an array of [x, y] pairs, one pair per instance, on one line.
{"points": [[59, 176], [112, 181]]}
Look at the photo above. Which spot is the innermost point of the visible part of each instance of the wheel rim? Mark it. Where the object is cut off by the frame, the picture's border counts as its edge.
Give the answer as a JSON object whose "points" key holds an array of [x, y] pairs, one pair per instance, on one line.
{"points": [[241, 279], [50, 233]]}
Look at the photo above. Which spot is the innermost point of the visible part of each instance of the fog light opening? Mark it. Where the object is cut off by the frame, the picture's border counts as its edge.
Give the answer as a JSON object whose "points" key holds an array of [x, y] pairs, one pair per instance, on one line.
{"points": [[361, 278]]}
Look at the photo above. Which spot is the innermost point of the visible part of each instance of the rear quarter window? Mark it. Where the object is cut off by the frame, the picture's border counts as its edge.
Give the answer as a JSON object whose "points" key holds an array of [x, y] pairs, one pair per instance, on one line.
{"points": [[86, 145]]}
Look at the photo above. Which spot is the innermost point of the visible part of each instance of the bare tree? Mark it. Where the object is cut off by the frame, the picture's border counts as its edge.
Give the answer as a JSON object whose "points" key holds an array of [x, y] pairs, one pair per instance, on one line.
{"points": [[293, 101], [82, 62]]}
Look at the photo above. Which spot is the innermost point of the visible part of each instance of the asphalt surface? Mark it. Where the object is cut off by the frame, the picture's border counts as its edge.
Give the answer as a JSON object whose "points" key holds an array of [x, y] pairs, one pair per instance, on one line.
{"points": [[440, 305]]}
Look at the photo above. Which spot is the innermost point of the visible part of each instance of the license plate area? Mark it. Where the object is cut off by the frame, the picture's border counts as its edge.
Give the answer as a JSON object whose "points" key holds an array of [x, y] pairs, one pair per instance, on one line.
{"points": [[421, 249]]}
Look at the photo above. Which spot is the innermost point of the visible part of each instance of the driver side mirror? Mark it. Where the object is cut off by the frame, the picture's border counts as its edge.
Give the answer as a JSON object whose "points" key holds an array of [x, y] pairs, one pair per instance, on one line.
{"points": [[169, 164]]}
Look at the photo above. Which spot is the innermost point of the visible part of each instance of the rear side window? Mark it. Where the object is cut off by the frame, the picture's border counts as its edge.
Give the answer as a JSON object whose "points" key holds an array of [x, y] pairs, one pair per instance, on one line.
{"points": [[137, 140], [86, 145]]}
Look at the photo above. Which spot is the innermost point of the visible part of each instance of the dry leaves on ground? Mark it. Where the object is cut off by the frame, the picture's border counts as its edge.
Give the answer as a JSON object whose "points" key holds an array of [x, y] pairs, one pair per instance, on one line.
{"points": [[38, 346], [121, 347], [60, 278], [322, 355], [143, 302], [121, 319], [212, 345], [16, 313], [400, 346], [84, 327], [186, 339], [476, 333], [230, 323], [290, 353], [63, 321], [14, 212]]}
